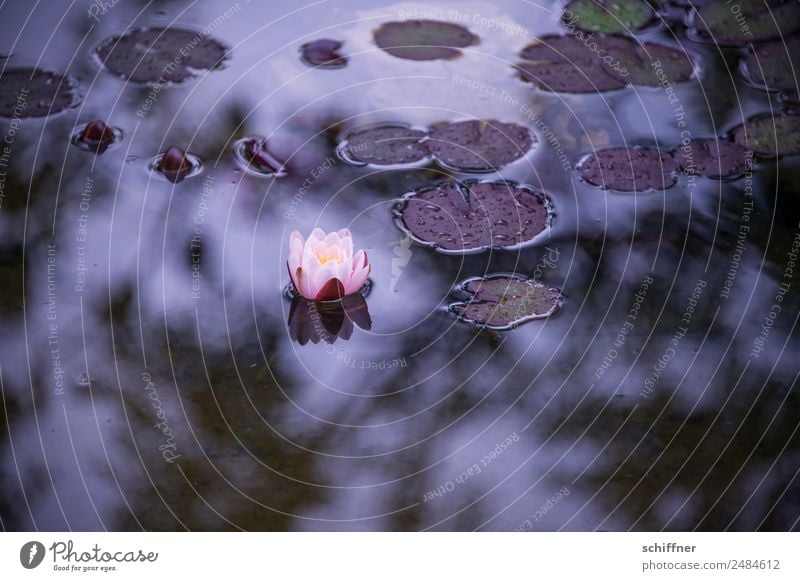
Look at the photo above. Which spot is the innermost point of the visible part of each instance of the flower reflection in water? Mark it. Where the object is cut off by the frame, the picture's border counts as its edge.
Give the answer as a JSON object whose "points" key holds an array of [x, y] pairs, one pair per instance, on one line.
{"points": [[327, 321]]}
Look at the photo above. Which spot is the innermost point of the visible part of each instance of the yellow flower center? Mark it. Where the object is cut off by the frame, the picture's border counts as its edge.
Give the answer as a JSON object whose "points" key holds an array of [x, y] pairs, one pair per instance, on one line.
{"points": [[323, 258]]}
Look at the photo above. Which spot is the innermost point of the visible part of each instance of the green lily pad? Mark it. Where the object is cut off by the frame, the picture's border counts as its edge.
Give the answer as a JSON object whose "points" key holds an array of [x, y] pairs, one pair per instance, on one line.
{"points": [[774, 66], [635, 169], [478, 146], [647, 64], [608, 16], [770, 135], [390, 144], [36, 93], [744, 22], [503, 301], [423, 40]]}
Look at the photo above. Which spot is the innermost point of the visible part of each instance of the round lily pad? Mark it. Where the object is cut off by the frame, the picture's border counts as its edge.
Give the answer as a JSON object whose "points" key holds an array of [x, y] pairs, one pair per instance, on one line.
{"points": [[423, 40], [323, 53], [712, 158], [391, 144], [36, 93], [774, 66], [744, 22], [647, 63], [636, 169], [478, 146], [474, 216], [565, 64], [770, 135], [160, 55], [608, 16], [503, 301]]}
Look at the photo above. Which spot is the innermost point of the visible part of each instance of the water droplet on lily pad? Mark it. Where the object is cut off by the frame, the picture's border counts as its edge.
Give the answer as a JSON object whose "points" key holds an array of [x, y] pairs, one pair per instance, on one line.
{"points": [[770, 135], [468, 216], [384, 145], [635, 169], [423, 40], [160, 55], [323, 53], [477, 145], [608, 16], [36, 93], [503, 301]]}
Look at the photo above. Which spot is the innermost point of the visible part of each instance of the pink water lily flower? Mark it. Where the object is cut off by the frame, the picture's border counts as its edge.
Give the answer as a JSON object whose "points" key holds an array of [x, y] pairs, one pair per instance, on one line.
{"points": [[323, 268]]}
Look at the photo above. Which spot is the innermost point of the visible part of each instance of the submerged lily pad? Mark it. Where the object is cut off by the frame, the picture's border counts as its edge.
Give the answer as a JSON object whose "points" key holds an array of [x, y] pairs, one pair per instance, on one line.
{"points": [[647, 64], [564, 64], [608, 16], [160, 55], [774, 66], [712, 158], [770, 135], [36, 93], [391, 144], [503, 301], [636, 169], [423, 40], [479, 146], [744, 21], [323, 53], [473, 216]]}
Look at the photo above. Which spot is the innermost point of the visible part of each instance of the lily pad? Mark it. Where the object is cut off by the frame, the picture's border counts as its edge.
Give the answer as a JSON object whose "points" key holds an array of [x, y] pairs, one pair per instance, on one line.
{"points": [[770, 135], [160, 55], [744, 22], [647, 64], [323, 53], [774, 66], [503, 301], [478, 146], [712, 158], [36, 93], [564, 64], [474, 216], [636, 169], [391, 144], [608, 16], [423, 40]]}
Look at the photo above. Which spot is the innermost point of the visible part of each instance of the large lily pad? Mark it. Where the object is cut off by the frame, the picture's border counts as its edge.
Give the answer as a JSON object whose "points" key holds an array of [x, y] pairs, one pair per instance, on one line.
{"points": [[36, 93], [323, 53], [423, 40], [160, 55], [635, 169], [770, 135], [391, 144], [774, 66], [744, 22], [503, 301], [565, 64], [478, 146], [608, 16], [474, 216], [647, 63], [712, 158]]}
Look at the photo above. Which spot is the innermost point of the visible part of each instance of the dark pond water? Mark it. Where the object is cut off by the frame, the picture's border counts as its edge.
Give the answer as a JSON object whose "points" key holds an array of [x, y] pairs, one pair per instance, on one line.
{"points": [[151, 379]]}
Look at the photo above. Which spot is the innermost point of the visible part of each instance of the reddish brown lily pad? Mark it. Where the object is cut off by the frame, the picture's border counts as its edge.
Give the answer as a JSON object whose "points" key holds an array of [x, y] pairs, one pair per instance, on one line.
{"points": [[774, 66], [423, 40], [391, 144], [712, 158], [323, 53], [770, 135], [36, 93], [474, 216], [176, 164], [478, 146], [503, 301], [96, 136], [636, 169], [744, 22], [254, 156], [160, 55], [647, 64]]}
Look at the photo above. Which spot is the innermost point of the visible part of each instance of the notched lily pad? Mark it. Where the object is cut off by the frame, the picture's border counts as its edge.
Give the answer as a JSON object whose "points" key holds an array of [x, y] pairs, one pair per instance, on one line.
{"points": [[323, 53], [474, 216], [770, 135], [636, 169], [160, 55], [36, 93], [744, 22], [423, 40], [608, 16], [503, 301], [391, 144], [774, 66], [647, 64], [478, 146], [564, 64], [712, 158]]}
